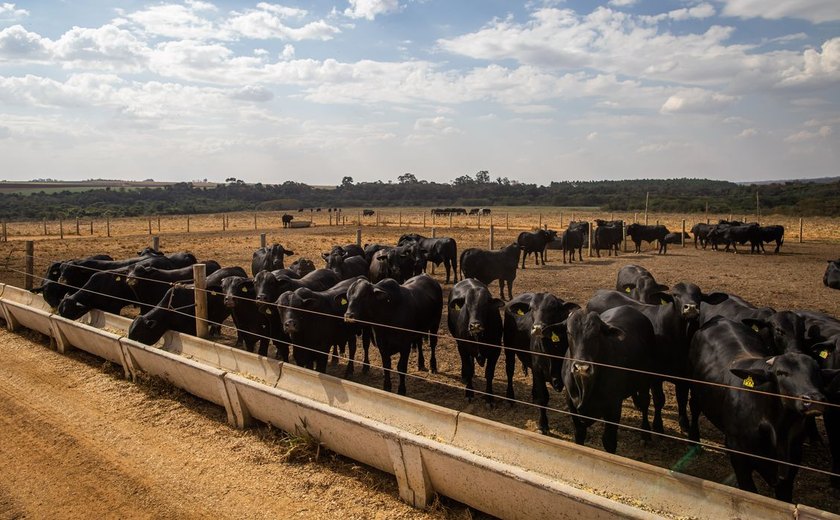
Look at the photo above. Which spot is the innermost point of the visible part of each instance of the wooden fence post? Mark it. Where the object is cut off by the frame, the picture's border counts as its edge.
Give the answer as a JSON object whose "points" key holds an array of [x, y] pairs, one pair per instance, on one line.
{"points": [[156, 243], [507, 221], [262, 240], [61, 228], [29, 277], [800, 230], [5, 236], [540, 225], [108, 226], [359, 237], [150, 225], [78, 232], [45, 227], [682, 237], [434, 235], [255, 221], [188, 223], [450, 221], [478, 220], [591, 230], [158, 219], [202, 328], [424, 220], [400, 219], [624, 235], [561, 220], [491, 238], [91, 227]]}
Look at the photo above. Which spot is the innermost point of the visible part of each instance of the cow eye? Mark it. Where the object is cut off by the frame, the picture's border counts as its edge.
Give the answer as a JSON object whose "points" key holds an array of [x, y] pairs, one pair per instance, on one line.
{"points": [[782, 373]]}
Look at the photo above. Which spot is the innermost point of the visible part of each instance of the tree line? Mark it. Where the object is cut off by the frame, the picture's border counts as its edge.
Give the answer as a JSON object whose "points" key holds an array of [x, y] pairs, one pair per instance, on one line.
{"points": [[479, 190]]}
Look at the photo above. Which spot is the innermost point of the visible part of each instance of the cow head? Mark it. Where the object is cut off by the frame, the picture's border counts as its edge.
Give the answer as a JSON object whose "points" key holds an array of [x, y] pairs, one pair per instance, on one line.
{"points": [[145, 330], [783, 331], [472, 310], [236, 287], [588, 335], [793, 375]]}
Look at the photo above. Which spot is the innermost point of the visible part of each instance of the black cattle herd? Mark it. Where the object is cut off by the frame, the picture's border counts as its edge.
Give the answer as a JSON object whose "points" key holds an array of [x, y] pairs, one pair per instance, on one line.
{"points": [[624, 342]]}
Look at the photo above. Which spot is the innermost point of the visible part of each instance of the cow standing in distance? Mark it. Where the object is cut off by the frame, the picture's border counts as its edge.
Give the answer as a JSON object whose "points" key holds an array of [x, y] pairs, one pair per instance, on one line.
{"points": [[639, 233], [403, 313], [831, 278], [443, 250], [535, 242], [769, 234], [50, 289], [269, 258], [287, 219], [474, 321], [487, 266], [608, 235], [701, 234], [532, 334]]}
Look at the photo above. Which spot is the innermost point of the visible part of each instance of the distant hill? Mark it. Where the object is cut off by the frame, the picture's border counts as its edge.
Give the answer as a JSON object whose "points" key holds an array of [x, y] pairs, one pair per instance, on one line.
{"points": [[818, 180], [99, 198]]}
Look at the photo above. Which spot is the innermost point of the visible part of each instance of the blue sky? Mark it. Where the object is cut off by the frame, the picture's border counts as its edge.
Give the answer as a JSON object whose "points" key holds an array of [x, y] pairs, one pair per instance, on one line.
{"points": [[535, 91]]}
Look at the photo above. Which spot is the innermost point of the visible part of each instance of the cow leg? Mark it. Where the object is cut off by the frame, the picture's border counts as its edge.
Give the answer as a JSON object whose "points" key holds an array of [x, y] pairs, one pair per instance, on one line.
{"points": [[510, 366], [319, 359], [682, 404], [366, 332], [694, 427], [524, 256], [351, 358], [578, 422], [421, 360], [580, 253], [467, 372], [402, 368], [610, 436], [386, 370], [539, 394], [510, 289], [334, 356], [658, 404], [787, 474], [501, 289], [743, 471], [489, 371], [641, 399], [778, 246]]}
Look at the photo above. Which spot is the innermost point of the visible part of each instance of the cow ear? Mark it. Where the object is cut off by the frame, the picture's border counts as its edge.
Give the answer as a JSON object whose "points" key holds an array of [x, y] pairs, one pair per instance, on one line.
{"points": [[813, 333], [555, 332], [662, 287], [519, 309], [382, 258], [341, 300], [497, 303], [756, 324], [751, 372], [456, 304], [381, 295], [822, 350], [569, 307], [626, 288], [615, 332], [664, 298], [288, 252], [325, 256], [150, 323], [716, 298]]}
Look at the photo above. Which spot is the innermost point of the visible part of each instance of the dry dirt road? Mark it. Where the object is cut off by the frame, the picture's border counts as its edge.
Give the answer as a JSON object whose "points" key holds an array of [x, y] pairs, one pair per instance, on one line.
{"points": [[79, 441]]}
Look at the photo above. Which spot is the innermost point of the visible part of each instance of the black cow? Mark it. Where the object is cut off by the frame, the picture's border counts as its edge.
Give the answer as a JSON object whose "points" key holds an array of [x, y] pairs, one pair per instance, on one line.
{"points": [[487, 266], [674, 320], [302, 267], [620, 337], [345, 267], [176, 310], [608, 235], [346, 251], [639, 233], [368, 213], [287, 219], [403, 261], [730, 356], [407, 311], [51, 290], [109, 290], [443, 250], [575, 237], [734, 308], [474, 322], [379, 266], [371, 249], [312, 319], [150, 283], [269, 258], [772, 234], [251, 325], [701, 233], [831, 278], [639, 284], [734, 235], [531, 333], [535, 243], [676, 238]]}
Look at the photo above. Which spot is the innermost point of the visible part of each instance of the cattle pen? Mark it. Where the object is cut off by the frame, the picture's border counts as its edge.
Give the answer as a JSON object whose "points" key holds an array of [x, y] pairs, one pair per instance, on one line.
{"points": [[336, 405]]}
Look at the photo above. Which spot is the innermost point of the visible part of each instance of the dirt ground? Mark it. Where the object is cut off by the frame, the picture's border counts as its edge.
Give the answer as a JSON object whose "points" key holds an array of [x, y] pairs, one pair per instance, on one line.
{"points": [[228, 468]]}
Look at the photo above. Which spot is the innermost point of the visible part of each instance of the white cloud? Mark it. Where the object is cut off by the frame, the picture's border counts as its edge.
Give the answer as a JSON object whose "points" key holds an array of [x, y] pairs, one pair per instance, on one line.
{"points": [[256, 93], [805, 135], [107, 47], [16, 43], [817, 11], [696, 101], [592, 136], [622, 3], [288, 51], [370, 9], [816, 66], [747, 133], [268, 22], [699, 12], [174, 21], [282, 10], [8, 12]]}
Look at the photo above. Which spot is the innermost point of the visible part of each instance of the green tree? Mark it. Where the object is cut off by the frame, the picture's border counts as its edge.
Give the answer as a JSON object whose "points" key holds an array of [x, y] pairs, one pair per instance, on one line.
{"points": [[407, 178], [482, 177]]}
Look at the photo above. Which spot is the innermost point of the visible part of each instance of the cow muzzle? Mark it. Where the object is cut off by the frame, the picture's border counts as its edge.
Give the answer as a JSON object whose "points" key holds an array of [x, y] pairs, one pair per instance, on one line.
{"points": [[537, 329], [475, 328], [290, 326], [812, 404], [349, 317], [582, 369], [690, 311], [230, 303]]}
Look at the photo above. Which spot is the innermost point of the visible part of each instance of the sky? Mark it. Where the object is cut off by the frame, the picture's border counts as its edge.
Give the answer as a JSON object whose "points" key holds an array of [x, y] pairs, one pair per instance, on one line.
{"points": [[535, 91]]}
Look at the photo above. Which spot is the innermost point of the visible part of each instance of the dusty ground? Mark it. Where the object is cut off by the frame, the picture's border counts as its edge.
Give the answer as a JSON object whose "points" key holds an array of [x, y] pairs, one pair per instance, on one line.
{"points": [[790, 280]]}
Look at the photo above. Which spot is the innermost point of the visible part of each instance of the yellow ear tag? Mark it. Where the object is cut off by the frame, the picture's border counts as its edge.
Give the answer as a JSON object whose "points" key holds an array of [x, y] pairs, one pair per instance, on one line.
{"points": [[118, 278], [212, 293], [457, 307], [268, 311], [344, 301], [755, 328], [663, 302], [627, 290], [519, 312], [748, 382], [244, 289], [555, 338], [824, 354]]}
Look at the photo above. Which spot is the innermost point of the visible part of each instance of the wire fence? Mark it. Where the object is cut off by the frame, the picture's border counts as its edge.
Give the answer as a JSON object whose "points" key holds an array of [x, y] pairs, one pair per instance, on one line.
{"points": [[704, 444]]}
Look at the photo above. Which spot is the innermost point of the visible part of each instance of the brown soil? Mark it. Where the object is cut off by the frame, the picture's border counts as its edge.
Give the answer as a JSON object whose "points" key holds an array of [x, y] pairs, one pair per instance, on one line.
{"points": [[792, 279]]}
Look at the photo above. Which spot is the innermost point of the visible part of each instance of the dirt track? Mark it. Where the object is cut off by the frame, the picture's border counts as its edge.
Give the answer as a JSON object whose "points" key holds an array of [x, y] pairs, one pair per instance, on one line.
{"points": [[787, 281], [78, 441]]}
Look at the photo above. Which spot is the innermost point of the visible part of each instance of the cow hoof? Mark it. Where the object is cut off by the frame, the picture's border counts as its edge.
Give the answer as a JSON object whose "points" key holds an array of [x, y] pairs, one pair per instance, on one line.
{"points": [[422, 368], [544, 431]]}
